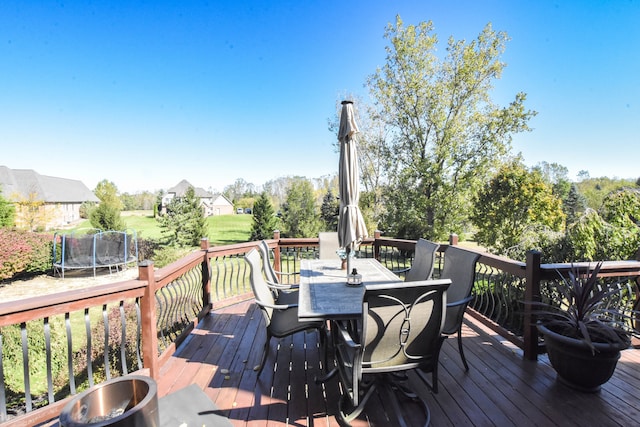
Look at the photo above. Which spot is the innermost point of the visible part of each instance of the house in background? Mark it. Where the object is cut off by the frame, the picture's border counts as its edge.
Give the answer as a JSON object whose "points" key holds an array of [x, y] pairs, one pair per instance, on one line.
{"points": [[58, 199], [212, 204]]}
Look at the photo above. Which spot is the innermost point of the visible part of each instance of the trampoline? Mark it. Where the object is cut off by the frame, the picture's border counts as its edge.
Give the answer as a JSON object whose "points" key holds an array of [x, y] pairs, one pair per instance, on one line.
{"points": [[93, 249]]}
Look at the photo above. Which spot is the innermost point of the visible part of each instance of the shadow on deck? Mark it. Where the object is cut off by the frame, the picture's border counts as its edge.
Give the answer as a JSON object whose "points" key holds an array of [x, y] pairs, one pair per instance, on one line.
{"points": [[500, 389]]}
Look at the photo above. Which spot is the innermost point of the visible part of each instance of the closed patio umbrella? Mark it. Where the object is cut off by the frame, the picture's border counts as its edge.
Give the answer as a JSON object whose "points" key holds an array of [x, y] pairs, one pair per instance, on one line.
{"points": [[351, 226]]}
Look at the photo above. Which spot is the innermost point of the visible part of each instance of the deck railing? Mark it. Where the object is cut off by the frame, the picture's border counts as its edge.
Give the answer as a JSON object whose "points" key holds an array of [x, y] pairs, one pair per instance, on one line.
{"points": [[91, 335]]}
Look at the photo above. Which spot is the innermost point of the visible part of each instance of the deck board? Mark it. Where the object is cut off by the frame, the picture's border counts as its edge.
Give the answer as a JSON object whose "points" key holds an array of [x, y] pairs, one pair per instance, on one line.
{"points": [[500, 388]]}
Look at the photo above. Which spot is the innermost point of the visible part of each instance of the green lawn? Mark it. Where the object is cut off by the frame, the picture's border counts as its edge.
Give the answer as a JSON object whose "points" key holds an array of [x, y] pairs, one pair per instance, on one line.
{"points": [[222, 229]]}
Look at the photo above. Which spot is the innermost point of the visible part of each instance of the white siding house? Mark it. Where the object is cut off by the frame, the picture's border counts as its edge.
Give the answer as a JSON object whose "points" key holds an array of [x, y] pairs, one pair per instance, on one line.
{"points": [[212, 204]]}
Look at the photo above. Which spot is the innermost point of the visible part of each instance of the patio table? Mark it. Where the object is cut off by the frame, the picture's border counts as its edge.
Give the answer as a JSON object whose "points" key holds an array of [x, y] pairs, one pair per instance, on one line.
{"points": [[324, 294]]}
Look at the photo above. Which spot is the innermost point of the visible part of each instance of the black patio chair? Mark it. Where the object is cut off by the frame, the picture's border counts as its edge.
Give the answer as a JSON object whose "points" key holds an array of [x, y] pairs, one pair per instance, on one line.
{"points": [[424, 259], [400, 330], [281, 318], [460, 268]]}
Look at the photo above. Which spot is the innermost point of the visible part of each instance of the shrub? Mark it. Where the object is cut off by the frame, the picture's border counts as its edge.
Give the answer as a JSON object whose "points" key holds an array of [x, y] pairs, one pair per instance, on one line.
{"points": [[167, 255], [147, 247], [23, 252], [12, 355], [98, 368]]}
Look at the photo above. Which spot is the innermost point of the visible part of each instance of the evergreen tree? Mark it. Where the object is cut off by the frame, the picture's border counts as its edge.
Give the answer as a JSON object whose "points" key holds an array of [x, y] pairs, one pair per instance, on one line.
{"points": [[264, 220], [299, 215], [573, 205], [7, 213], [184, 222], [329, 211]]}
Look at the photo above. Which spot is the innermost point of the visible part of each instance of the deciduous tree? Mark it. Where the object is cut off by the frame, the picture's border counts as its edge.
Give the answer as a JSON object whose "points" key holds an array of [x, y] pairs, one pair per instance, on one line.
{"points": [[446, 132], [514, 200], [106, 216]]}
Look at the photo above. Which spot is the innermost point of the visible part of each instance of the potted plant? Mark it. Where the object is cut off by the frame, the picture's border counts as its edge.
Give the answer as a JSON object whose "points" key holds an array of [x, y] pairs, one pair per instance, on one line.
{"points": [[585, 333]]}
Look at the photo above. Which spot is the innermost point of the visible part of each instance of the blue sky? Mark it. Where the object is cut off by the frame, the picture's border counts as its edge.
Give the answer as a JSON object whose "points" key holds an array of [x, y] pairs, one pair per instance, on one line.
{"points": [[147, 93]]}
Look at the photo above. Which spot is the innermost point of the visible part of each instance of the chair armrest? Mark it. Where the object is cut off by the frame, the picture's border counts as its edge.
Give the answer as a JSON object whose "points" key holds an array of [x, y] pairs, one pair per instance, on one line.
{"points": [[346, 336], [276, 306], [285, 273], [281, 286], [460, 302]]}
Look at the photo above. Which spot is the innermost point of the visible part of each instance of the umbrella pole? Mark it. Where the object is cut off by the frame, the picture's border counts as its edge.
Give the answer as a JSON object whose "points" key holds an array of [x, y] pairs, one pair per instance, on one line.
{"points": [[348, 250]]}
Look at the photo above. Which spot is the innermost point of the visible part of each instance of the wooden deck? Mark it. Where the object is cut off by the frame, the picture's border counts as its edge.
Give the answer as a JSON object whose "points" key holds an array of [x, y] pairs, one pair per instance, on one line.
{"points": [[500, 389]]}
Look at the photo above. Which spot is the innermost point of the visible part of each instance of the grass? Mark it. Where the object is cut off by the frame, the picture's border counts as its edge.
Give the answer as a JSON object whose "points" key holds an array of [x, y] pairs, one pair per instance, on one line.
{"points": [[221, 229]]}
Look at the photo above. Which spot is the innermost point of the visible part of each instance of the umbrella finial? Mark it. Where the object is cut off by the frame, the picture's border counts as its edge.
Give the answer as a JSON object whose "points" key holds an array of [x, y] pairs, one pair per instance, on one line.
{"points": [[346, 101]]}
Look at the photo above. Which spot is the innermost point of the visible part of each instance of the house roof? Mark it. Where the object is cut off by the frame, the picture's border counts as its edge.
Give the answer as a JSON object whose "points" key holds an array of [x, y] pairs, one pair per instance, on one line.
{"points": [[23, 182], [181, 188], [221, 199]]}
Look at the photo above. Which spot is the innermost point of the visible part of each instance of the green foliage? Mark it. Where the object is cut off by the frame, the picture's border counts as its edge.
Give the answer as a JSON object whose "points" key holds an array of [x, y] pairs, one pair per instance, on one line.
{"points": [[12, 354], [556, 176], [7, 213], [448, 133], [553, 245], [514, 200], [106, 216], [299, 214], [595, 190], [184, 222], [86, 208], [329, 211], [164, 256], [24, 252], [264, 219], [612, 234]]}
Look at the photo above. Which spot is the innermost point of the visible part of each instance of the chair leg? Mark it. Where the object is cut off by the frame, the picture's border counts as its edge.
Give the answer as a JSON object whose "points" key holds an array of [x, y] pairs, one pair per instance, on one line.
{"points": [[460, 349], [433, 385], [265, 352]]}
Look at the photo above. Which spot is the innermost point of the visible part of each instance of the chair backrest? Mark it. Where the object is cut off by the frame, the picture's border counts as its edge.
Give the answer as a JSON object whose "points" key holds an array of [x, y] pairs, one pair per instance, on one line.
{"points": [[401, 325], [423, 261], [269, 272], [261, 291], [460, 268], [328, 242]]}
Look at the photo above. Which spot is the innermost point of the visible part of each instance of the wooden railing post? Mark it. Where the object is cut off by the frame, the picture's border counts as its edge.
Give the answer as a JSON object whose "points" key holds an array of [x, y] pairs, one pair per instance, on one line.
{"points": [[376, 244], [149, 319], [531, 293], [206, 278], [276, 253], [453, 239]]}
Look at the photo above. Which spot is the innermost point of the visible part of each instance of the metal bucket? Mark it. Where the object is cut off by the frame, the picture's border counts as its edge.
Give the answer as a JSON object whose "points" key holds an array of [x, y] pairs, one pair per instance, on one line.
{"points": [[126, 401]]}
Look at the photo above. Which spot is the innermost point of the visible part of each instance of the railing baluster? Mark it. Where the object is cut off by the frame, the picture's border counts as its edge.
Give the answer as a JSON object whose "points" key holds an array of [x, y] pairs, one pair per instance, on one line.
{"points": [[47, 345], [123, 340], [105, 317], [3, 393], [25, 365], [87, 328]]}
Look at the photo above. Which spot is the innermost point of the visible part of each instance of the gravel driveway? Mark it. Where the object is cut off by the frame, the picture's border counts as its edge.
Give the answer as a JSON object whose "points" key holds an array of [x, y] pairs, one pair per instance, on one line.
{"points": [[47, 284]]}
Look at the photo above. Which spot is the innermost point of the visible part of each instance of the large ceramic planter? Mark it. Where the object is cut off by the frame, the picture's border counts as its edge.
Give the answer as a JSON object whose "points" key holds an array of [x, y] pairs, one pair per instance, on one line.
{"points": [[575, 364]]}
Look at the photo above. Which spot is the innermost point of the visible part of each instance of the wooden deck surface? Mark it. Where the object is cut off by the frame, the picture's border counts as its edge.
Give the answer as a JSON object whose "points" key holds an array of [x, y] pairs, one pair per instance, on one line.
{"points": [[501, 389]]}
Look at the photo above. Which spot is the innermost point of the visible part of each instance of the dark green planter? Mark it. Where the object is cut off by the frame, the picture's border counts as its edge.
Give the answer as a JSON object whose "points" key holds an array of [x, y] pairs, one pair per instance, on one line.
{"points": [[574, 363]]}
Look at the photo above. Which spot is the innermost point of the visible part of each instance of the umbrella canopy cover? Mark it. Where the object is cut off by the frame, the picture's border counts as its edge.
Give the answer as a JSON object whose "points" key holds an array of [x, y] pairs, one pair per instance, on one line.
{"points": [[351, 226]]}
